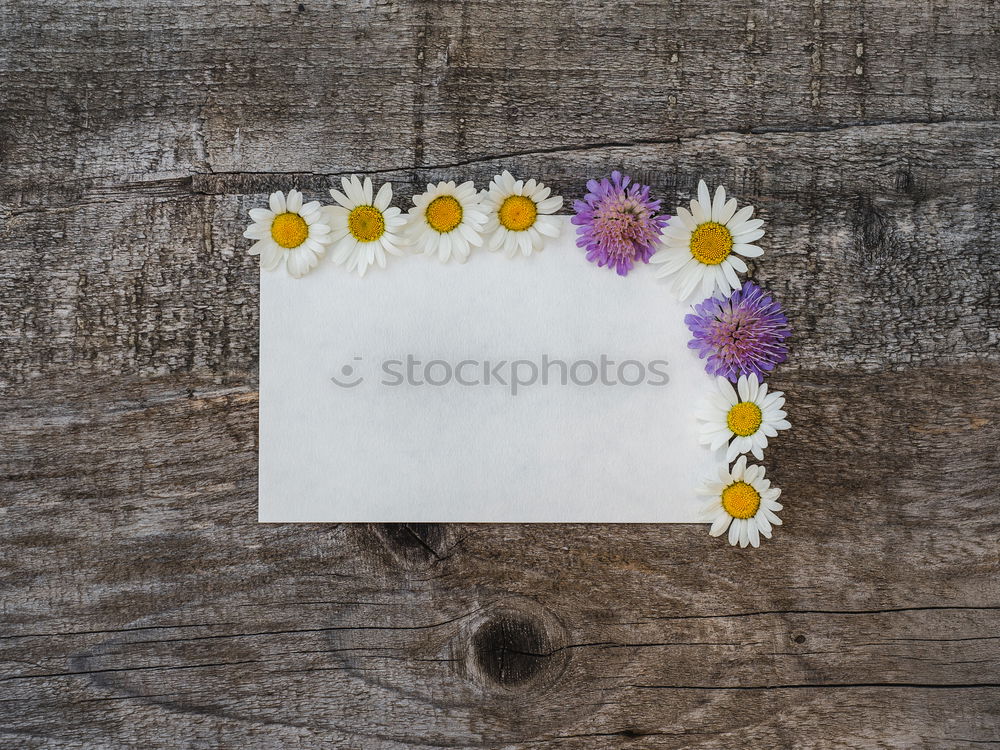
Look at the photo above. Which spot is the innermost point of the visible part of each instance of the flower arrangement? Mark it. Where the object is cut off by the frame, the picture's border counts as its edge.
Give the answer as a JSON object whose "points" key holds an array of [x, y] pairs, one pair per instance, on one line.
{"points": [[739, 329]]}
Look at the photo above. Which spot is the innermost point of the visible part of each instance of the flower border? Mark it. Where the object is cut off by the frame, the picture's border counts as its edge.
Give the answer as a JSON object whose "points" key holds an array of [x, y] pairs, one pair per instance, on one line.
{"points": [[738, 328]]}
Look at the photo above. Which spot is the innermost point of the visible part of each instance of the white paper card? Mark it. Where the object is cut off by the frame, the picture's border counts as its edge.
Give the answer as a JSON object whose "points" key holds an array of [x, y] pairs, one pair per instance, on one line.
{"points": [[442, 412]]}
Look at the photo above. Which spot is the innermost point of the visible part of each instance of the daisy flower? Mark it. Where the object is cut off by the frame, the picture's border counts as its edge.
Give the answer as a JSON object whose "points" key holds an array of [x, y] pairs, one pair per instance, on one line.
{"points": [[363, 228], [747, 415], [289, 233], [743, 502], [446, 221], [741, 335], [617, 223], [702, 249], [518, 214]]}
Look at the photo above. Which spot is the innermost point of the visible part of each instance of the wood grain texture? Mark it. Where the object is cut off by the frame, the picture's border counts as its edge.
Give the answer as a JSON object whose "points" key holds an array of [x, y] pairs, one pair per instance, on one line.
{"points": [[142, 606]]}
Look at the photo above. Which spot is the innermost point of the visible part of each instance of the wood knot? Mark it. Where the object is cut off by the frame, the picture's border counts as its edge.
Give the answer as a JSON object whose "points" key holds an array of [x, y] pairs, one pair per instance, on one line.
{"points": [[516, 648], [510, 649], [414, 545]]}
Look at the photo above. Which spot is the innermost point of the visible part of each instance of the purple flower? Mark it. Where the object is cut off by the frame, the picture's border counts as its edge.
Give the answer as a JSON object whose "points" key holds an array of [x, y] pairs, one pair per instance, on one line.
{"points": [[740, 335], [617, 222]]}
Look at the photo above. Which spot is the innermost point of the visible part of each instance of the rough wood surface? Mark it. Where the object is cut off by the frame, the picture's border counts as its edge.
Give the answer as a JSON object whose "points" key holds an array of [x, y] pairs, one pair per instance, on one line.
{"points": [[142, 606]]}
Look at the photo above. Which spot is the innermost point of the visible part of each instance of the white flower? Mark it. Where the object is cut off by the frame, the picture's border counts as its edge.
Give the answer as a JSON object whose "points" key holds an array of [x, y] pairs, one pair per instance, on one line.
{"points": [[702, 247], [288, 233], [446, 221], [518, 214], [749, 417], [743, 502], [363, 228]]}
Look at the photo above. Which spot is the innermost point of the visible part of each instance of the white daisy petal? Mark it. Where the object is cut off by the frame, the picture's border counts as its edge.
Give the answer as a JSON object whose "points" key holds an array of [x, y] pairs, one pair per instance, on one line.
{"points": [[748, 251], [686, 219], [714, 279], [732, 452], [257, 232], [698, 213], [718, 441], [744, 533], [297, 262], [689, 282], [460, 248], [342, 199], [704, 200], [739, 217], [549, 227], [384, 197], [720, 524], [444, 247], [727, 211], [261, 216], [353, 190], [731, 277], [718, 203], [727, 390], [550, 205], [747, 237], [271, 255], [669, 261], [743, 388]]}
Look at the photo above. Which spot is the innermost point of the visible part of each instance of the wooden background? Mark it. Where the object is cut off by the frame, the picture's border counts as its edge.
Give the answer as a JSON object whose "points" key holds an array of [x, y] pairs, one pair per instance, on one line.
{"points": [[142, 606]]}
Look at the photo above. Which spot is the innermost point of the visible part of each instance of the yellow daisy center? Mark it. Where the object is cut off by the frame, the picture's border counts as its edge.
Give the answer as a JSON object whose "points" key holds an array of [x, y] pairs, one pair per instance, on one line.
{"points": [[740, 500], [289, 230], [366, 223], [517, 213], [444, 213], [711, 243], [744, 419]]}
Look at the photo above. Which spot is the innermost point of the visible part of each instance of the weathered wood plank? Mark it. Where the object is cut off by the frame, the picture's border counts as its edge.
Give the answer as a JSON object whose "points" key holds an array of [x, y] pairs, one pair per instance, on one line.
{"points": [[476, 636], [164, 87], [143, 606]]}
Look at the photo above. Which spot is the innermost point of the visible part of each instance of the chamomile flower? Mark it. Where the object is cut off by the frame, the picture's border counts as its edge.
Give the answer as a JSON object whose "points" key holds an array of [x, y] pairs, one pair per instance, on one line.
{"points": [[288, 232], [742, 501], [364, 227], [702, 248], [519, 215], [747, 415], [446, 221]]}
